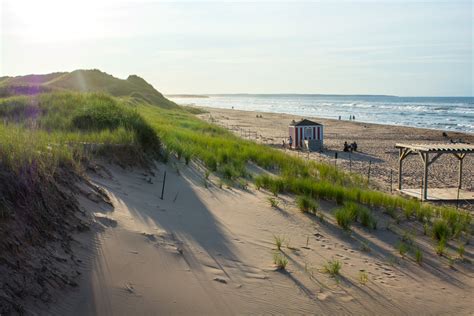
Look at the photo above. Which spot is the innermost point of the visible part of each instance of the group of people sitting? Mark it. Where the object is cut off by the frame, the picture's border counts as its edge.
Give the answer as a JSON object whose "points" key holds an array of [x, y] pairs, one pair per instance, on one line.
{"points": [[352, 147]]}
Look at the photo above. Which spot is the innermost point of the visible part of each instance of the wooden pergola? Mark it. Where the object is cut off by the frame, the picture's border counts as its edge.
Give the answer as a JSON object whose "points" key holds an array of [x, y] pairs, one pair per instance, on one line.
{"points": [[429, 153]]}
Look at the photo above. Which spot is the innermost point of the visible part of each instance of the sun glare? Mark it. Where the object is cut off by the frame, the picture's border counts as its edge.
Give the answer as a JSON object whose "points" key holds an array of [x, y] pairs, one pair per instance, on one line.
{"points": [[53, 20]]}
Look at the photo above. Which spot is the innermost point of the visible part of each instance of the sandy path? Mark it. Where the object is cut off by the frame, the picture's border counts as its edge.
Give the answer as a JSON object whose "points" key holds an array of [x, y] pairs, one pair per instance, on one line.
{"points": [[209, 251]]}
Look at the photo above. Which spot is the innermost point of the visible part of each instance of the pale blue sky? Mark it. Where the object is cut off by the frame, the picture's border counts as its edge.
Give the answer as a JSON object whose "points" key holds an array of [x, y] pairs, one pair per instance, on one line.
{"points": [[347, 47]]}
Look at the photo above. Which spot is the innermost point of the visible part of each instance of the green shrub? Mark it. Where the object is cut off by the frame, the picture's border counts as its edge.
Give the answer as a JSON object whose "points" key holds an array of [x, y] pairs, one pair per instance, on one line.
{"points": [[344, 218], [441, 247], [367, 219], [402, 248], [306, 204], [440, 229]]}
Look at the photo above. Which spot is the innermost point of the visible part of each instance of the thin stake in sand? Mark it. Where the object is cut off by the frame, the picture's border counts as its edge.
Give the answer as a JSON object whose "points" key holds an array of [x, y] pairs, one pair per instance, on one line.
{"points": [[163, 187]]}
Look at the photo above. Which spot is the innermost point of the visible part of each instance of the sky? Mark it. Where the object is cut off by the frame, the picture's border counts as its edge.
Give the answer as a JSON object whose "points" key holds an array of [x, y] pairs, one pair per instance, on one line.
{"points": [[404, 48]]}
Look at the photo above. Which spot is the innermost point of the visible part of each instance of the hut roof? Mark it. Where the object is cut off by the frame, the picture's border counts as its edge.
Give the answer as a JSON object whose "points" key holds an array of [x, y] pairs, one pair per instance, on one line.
{"points": [[304, 122]]}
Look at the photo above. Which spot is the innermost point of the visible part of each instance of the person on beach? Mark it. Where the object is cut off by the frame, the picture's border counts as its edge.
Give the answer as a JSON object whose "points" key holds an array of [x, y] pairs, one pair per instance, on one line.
{"points": [[346, 147], [354, 146], [290, 141]]}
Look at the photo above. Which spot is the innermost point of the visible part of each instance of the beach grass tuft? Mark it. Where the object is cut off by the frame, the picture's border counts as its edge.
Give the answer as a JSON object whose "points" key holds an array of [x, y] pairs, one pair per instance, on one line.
{"points": [[273, 202], [418, 256], [278, 241], [333, 267], [306, 204], [280, 260], [363, 277]]}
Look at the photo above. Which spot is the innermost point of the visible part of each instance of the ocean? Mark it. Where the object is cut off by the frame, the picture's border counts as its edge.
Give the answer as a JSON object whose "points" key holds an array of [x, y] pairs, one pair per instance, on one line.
{"points": [[441, 113]]}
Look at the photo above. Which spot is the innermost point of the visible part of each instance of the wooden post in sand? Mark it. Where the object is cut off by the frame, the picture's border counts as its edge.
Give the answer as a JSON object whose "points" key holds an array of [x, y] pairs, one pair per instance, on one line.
{"points": [[163, 187], [457, 198], [421, 190], [368, 172], [350, 162], [391, 178]]}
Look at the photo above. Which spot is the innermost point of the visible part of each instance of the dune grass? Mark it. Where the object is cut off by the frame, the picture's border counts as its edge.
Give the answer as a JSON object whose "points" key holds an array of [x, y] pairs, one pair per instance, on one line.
{"points": [[363, 277], [278, 241], [306, 204], [333, 267], [418, 256], [351, 212], [54, 129], [280, 260], [273, 202], [188, 137]]}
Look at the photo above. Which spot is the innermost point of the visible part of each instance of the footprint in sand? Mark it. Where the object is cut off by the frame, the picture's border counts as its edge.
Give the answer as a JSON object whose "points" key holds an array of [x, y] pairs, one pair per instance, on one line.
{"points": [[323, 296], [220, 280], [347, 299]]}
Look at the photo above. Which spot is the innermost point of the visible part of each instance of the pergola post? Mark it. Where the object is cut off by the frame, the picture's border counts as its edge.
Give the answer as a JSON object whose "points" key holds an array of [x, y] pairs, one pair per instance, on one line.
{"points": [[403, 154], [460, 158], [425, 177], [400, 165]]}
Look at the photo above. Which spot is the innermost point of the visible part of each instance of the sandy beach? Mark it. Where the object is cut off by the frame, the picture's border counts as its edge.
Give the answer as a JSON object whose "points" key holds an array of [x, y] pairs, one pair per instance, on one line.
{"points": [[376, 145], [208, 250]]}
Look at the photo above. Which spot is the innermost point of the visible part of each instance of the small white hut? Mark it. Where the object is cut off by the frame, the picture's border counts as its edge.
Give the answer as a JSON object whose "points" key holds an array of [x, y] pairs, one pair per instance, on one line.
{"points": [[306, 134]]}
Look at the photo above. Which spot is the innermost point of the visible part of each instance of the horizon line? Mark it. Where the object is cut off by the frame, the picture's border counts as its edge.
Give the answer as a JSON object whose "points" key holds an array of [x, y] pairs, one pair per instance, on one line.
{"points": [[319, 94]]}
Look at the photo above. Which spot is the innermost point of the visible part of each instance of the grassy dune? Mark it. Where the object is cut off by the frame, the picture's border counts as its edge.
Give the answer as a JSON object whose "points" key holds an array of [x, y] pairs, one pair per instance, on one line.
{"points": [[94, 80], [55, 128], [228, 156]]}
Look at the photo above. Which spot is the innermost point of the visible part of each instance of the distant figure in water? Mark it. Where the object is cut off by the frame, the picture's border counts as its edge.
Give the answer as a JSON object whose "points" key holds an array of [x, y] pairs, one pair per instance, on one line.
{"points": [[339, 117], [232, 107], [354, 117]]}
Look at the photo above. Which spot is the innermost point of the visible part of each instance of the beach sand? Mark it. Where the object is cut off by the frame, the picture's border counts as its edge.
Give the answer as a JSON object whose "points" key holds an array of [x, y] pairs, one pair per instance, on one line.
{"points": [[376, 144], [208, 250]]}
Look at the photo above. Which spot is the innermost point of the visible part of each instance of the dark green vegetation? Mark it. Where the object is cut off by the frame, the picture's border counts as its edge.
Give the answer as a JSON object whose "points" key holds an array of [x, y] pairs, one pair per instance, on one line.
{"points": [[62, 126], [352, 212], [306, 204]]}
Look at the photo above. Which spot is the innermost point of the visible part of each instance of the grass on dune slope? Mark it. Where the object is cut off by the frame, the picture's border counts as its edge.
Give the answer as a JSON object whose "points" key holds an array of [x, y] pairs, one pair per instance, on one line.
{"points": [[51, 129], [224, 153], [82, 80]]}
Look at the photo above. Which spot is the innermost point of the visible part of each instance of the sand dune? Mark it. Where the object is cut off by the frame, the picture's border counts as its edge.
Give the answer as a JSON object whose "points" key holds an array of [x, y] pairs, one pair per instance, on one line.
{"points": [[209, 251]]}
